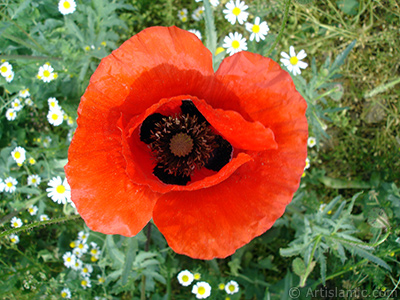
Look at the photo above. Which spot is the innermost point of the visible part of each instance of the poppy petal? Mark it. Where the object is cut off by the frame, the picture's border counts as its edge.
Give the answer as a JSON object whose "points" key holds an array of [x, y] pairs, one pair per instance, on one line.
{"points": [[103, 194], [214, 222]]}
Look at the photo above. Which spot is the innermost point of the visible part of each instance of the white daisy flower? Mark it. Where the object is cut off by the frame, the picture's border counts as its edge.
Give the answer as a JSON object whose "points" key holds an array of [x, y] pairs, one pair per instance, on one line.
{"points": [[85, 283], [44, 218], [53, 103], [86, 270], [29, 102], [307, 164], [11, 114], [196, 32], [185, 277], [81, 246], [69, 259], [83, 236], [234, 43], [33, 210], [77, 265], [236, 12], [202, 290], [10, 76], [5, 69], [46, 73], [16, 105], [183, 15], [24, 93], [66, 6], [95, 251], [100, 279], [70, 121], [14, 239], [10, 185], [198, 13], [258, 30], [18, 154], [34, 180], [311, 142], [66, 293], [55, 116], [213, 2], [293, 62], [232, 287], [16, 222], [59, 190], [46, 141]]}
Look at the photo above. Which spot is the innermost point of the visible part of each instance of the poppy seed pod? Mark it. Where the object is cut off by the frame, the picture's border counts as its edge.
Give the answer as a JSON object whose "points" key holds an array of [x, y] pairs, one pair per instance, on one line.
{"points": [[212, 157]]}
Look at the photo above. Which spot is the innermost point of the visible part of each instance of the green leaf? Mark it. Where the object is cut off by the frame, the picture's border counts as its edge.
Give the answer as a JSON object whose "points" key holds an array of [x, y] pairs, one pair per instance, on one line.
{"points": [[130, 255], [341, 57], [299, 267], [369, 256], [118, 258], [211, 34]]}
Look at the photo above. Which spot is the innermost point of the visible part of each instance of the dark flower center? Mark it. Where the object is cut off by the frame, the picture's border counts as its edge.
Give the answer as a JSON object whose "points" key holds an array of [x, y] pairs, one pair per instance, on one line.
{"points": [[183, 143]]}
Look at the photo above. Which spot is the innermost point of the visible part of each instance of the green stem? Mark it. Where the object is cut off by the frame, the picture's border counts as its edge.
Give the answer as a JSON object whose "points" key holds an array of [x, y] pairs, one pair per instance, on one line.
{"points": [[308, 271], [285, 17], [36, 224]]}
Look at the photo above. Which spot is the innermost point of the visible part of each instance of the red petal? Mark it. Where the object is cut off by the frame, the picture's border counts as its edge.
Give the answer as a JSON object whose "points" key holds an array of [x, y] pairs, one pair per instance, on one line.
{"points": [[104, 195], [214, 222]]}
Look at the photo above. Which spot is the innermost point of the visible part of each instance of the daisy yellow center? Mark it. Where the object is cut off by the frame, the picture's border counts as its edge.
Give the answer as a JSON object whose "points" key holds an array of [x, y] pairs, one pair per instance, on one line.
{"points": [[85, 270], [84, 282], [235, 44], [33, 180], [256, 28], [16, 104], [9, 184], [101, 280], [60, 189], [66, 5], [54, 116], [63, 294], [13, 240], [31, 210], [294, 60], [72, 244], [15, 224], [185, 278], [52, 104], [3, 69], [231, 288], [196, 276], [46, 73], [11, 114], [68, 259], [17, 155], [80, 246], [93, 259], [236, 11], [181, 144], [93, 251], [201, 290]]}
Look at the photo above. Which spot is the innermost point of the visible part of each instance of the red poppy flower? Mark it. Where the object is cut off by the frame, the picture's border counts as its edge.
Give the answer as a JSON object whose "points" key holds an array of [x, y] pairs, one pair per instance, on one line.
{"points": [[213, 158]]}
